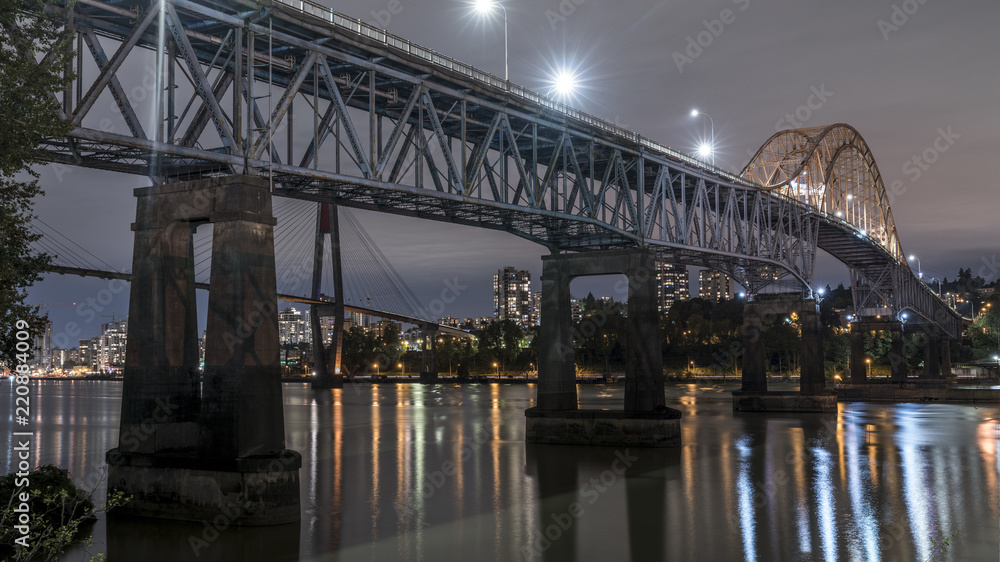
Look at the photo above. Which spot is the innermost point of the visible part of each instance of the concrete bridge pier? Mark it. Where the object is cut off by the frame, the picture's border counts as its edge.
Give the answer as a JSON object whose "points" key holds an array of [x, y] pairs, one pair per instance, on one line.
{"points": [[429, 372], [754, 364], [897, 354], [645, 420], [812, 396], [946, 372], [857, 366], [932, 359], [195, 451]]}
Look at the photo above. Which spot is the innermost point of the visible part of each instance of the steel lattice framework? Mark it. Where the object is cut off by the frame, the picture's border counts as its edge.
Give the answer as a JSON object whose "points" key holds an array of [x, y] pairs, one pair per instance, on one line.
{"points": [[832, 169], [393, 127]]}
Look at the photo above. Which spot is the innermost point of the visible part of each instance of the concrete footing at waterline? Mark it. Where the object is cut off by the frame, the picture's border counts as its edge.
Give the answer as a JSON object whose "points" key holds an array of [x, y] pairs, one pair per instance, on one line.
{"points": [[784, 401], [916, 392], [251, 491], [609, 428]]}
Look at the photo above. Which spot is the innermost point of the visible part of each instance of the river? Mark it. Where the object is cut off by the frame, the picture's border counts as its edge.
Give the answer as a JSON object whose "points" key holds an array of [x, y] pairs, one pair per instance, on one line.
{"points": [[442, 472]]}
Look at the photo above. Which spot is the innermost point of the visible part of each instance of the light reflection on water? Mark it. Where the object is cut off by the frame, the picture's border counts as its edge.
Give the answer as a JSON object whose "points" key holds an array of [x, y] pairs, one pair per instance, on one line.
{"points": [[442, 472]]}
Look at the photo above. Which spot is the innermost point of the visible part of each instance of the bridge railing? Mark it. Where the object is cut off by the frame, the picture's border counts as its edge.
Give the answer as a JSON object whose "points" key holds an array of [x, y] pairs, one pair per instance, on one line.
{"points": [[380, 35]]}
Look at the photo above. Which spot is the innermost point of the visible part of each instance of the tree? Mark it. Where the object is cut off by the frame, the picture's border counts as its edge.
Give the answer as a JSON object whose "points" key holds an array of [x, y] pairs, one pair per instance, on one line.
{"points": [[29, 113]]}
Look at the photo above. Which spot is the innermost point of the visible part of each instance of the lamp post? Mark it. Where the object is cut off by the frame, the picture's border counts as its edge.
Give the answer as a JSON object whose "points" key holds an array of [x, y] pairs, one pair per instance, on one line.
{"points": [[711, 147], [378, 371], [497, 367], [401, 371], [920, 271], [485, 7], [869, 362]]}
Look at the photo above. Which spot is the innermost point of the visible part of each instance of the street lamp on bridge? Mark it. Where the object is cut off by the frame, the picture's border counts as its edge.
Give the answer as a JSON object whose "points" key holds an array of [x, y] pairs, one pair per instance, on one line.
{"points": [[920, 271], [706, 149], [485, 7], [565, 83]]}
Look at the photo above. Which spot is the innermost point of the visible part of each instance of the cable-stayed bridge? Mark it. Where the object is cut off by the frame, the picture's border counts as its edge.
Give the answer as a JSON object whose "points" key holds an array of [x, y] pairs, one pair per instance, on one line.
{"points": [[372, 285]]}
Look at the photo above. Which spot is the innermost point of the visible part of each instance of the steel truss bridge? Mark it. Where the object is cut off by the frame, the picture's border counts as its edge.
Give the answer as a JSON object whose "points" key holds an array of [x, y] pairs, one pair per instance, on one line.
{"points": [[333, 110]]}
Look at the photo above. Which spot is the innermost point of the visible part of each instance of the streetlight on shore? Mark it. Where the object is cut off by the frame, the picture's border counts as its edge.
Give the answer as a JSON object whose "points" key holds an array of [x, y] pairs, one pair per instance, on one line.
{"points": [[485, 7], [497, 367]]}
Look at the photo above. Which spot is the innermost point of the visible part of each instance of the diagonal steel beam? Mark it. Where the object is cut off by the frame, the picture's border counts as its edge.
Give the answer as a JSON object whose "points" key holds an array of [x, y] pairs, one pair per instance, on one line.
{"points": [[363, 161], [286, 98], [112, 67], [404, 117], [443, 142], [117, 92], [201, 83]]}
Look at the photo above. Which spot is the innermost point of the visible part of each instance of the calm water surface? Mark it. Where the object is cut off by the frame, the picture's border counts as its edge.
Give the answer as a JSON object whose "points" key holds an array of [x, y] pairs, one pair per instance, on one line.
{"points": [[442, 472]]}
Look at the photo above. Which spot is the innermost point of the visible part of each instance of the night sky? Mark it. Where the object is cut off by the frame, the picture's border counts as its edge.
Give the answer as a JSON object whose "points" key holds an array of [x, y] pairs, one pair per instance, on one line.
{"points": [[902, 73]]}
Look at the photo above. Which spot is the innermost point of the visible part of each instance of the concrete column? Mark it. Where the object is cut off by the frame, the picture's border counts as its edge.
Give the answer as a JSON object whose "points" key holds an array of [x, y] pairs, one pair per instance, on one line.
{"points": [[644, 355], [556, 371], [180, 457], [858, 366], [897, 354], [337, 338], [932, 358], [429, 372], [315, 323], [241, 407], [328, 365], [812, 380], [945, 356], [160, 402], [754, 367]]}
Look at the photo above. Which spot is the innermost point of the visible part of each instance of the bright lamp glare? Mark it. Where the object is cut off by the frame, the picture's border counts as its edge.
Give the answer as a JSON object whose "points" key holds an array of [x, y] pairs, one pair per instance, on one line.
{"points": [[912, 258], [705, 150], [821, 291], [694, 113], [565, 83], [483, 6]]}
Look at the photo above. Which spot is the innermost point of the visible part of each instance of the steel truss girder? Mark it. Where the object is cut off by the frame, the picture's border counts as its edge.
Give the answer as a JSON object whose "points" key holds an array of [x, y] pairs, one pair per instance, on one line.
{"points": [[496, 160]]}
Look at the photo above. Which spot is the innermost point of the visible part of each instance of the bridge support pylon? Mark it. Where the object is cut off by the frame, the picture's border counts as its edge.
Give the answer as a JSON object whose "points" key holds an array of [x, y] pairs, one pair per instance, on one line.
{"points": [[327, 364], [429, 372], [932, 358], [812, 396], [857, 366], [645, 420], [189, 449], [897, 354]]}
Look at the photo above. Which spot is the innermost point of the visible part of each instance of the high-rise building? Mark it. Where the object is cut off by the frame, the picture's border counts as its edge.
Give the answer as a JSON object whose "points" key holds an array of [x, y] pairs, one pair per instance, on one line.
{"points": [[293, 326], [43, 347], [113, 338], [536, 308], [84, 353], [512, 299], [671, 285], [714, 285]]}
